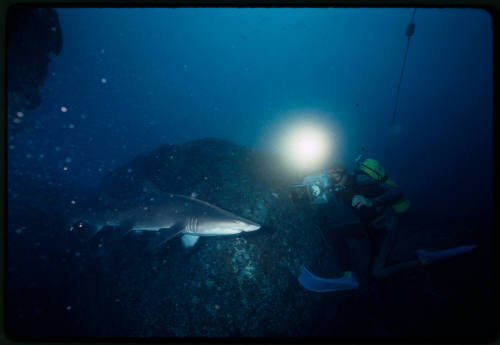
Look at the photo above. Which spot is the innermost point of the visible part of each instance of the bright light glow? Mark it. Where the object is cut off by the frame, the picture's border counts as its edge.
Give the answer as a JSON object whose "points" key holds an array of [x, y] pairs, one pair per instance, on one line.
{"points": [[306, 140], [307, 145]]}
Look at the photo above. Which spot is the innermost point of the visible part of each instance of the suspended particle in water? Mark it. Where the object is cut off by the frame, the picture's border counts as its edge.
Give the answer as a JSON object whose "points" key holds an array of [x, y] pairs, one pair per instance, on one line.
{"points": [[65, 168], [58, 149], [68, 307], [17, 120], [64, 109], [104, 80], [71, 126], [20, 114], [73, 202], [69, 159]]}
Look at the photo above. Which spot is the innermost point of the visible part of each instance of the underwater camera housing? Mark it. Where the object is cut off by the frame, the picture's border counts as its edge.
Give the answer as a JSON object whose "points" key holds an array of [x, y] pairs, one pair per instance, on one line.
{"points": [[314, 189]]}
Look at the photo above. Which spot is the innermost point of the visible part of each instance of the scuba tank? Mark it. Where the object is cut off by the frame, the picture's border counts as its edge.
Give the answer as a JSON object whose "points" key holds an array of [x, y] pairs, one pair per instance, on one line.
{"points": [[372, 168]]}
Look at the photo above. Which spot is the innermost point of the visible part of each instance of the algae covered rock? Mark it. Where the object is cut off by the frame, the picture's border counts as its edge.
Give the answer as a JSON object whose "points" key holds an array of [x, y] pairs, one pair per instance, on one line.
{"points": [[234, 285]]}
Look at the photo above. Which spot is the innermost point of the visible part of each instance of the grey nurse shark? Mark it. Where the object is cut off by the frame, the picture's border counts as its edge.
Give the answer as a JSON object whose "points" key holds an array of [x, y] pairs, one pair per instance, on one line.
{"points": [[169, 215]]}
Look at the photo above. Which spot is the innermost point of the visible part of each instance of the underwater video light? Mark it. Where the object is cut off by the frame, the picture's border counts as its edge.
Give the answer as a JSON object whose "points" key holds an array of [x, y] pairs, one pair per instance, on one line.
{"points": [[307, 145]]}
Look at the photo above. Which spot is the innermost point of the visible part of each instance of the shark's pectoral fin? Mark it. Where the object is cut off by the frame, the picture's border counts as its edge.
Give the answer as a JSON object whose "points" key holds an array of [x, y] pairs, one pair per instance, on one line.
{"points": [[189, 241]]}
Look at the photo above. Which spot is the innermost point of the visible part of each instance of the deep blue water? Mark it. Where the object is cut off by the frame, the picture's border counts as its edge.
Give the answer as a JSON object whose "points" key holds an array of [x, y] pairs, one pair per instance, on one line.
{"points": [[174, 75], [134, 79]]}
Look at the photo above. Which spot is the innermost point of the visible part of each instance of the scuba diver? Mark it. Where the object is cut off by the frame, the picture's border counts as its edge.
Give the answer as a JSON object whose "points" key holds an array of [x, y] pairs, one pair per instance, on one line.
{"points": [[376, 201]]}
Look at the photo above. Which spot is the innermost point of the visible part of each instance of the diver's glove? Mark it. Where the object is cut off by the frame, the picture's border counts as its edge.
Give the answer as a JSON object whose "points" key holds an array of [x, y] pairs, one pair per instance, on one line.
{"points": [[359, 200]]}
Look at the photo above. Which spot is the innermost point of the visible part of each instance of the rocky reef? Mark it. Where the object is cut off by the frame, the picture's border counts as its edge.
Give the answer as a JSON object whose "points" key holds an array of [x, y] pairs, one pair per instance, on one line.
{"points": [[225, 286], [33, 34], [243, 285]]}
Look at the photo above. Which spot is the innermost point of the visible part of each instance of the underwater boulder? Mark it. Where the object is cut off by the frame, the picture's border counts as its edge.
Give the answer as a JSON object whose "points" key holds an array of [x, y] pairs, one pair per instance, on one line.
{"points": [[33, 34], [233, 285]]}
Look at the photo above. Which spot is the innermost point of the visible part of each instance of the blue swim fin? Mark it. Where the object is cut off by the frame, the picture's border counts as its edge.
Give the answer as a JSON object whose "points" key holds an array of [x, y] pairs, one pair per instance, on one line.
{"points": [[314, 283], [427, 257]]}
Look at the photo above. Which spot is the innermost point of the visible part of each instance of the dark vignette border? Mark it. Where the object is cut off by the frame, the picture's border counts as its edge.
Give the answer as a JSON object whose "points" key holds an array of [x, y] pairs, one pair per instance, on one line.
{"points": [[492, 6]]}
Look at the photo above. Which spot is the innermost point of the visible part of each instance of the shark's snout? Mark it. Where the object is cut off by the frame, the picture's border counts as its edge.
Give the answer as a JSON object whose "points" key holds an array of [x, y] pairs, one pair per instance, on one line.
{"points": [[245, 225], [252, 227]]}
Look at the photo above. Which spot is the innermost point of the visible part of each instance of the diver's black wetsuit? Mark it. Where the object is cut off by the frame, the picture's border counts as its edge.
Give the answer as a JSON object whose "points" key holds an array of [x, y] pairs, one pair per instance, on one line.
{"points": [[378, 222]]}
